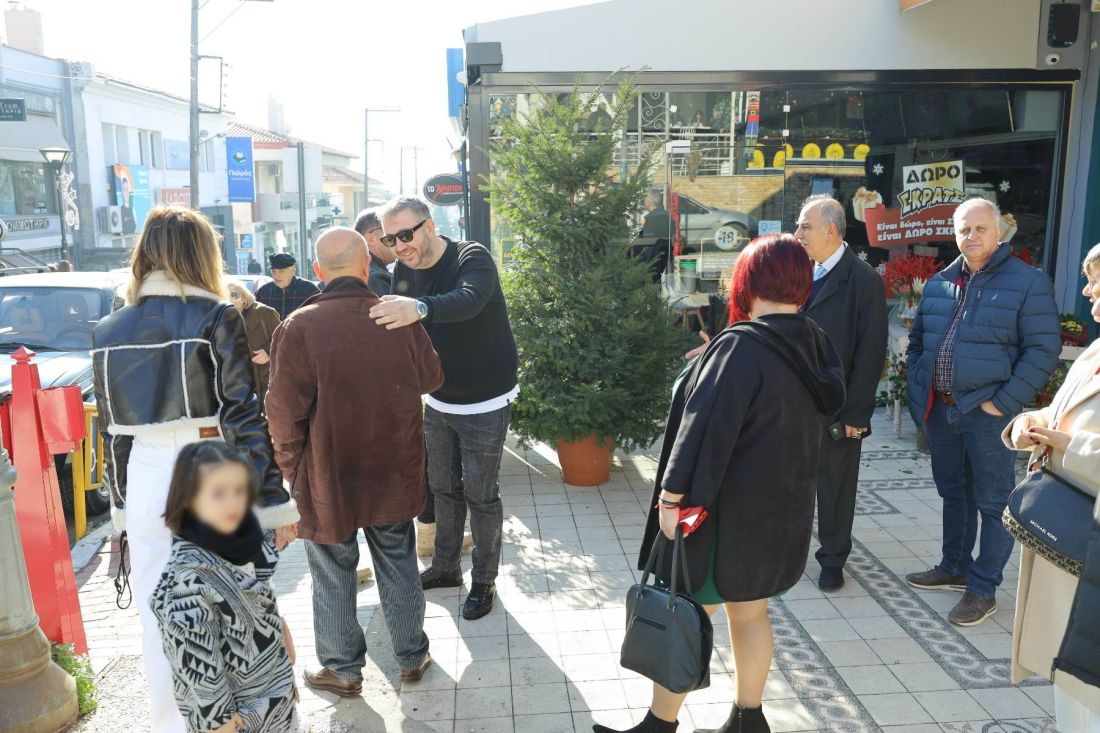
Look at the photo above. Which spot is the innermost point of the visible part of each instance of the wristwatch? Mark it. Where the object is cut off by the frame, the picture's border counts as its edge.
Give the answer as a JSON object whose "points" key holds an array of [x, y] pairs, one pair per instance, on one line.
{"points": [[422, 309]]}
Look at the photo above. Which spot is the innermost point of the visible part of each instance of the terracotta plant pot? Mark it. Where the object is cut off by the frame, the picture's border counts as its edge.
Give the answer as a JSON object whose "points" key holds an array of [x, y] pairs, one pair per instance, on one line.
{"points": [[586, 462]]}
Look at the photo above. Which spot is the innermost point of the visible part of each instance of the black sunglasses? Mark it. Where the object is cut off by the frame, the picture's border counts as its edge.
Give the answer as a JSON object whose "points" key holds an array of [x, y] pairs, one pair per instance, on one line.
{"points": [[405, 235]]}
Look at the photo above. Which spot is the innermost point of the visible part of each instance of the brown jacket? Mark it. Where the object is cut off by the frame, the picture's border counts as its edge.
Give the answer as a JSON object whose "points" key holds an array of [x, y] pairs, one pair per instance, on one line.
{"points": [[260, 321], [345, 413]]}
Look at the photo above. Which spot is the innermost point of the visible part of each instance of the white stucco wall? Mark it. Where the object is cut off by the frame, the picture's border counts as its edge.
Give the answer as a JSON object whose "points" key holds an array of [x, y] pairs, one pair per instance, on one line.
{"points": [[704, 35], [107, 103]]}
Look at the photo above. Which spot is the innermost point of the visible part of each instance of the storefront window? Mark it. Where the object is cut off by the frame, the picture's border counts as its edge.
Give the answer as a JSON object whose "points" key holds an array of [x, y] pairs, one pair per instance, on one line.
{"points": [[732, 165], [26, 189]]}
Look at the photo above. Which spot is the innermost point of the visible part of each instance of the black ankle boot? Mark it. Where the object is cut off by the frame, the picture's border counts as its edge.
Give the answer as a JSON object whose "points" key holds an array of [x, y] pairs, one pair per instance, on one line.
{"points": [[650, 724], [742, 720]]}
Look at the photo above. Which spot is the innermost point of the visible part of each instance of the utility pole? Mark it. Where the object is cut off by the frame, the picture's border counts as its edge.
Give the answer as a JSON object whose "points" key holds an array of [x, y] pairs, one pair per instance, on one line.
{"points": [[366, 150], [303, 251], [194, 104]]}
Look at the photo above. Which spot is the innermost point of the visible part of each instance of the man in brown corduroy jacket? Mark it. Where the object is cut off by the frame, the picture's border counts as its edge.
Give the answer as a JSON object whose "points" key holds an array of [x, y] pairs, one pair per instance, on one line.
{"points": [[345, 417]]}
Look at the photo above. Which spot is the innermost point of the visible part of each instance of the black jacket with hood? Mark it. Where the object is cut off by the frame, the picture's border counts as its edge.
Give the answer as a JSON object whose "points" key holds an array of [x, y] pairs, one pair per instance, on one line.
{"points": [[743, 439]]}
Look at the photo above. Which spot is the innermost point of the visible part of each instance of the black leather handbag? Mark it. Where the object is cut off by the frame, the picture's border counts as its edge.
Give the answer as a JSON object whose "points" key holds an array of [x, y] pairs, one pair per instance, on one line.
{"points": [[1051, 517], [669, 637]]}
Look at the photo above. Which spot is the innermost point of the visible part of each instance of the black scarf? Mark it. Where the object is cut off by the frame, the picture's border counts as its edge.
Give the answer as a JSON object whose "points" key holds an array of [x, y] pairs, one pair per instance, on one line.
{"points": [[242, 547]]}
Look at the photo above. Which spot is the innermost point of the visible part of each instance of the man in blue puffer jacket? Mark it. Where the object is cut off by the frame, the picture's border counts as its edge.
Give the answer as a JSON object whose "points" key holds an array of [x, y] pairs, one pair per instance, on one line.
{"points": [[986, 339]]}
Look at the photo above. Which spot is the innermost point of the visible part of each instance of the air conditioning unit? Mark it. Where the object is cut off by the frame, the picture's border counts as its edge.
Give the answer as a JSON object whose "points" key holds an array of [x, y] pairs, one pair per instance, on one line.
{"points": [[110, 219]]}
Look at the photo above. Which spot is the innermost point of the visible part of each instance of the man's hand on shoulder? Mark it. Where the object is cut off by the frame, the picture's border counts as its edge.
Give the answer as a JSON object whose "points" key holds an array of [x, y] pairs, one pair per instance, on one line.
{"points": [[395, 311]]}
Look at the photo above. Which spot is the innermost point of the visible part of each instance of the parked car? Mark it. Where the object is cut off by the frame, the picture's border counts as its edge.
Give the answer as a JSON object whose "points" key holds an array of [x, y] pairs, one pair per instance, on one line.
{"points": [[53, 315], [702, 225], [252, 282]]}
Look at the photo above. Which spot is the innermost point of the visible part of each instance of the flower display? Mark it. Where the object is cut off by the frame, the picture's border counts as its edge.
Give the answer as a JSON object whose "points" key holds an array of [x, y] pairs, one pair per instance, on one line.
{"points": [[1073, 330], [906, 276]]}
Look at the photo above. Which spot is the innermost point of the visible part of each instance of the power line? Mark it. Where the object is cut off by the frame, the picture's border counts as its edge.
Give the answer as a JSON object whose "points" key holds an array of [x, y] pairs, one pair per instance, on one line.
{"points": [[49, 76], [222, 21]]}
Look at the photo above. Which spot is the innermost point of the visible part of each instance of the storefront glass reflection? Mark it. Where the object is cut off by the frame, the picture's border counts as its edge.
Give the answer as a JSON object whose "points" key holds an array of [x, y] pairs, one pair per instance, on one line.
{"points": [[26, 189], [731, 165]]}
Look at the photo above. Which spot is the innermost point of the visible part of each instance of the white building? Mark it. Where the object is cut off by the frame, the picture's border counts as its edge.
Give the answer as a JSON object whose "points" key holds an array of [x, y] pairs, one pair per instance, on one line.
{"points": [[281, 191], [128, 127], [28, 193]]}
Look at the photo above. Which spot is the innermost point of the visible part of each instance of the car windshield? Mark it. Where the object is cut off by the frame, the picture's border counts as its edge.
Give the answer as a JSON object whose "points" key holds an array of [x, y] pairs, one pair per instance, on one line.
{"points": [[49, 318]]}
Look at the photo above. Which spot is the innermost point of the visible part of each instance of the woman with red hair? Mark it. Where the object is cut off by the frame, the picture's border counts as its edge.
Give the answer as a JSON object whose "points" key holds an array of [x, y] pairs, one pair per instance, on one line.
{"points": [[742, 441]]}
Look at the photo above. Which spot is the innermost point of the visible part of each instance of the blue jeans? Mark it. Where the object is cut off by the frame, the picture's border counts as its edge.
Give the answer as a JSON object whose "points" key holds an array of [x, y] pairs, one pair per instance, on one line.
{"points": [[974, 474], [464, 453]]}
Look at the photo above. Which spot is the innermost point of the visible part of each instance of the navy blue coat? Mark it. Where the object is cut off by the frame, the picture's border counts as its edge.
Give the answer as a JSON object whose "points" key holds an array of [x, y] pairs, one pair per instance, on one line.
{"points": [[1008, 342]]}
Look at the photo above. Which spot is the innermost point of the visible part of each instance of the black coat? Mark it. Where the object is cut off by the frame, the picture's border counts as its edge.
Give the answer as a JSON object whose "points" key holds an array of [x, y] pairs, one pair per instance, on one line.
{"points": [[381, 279], [1080, 652], [851, 310], [742, 440]]}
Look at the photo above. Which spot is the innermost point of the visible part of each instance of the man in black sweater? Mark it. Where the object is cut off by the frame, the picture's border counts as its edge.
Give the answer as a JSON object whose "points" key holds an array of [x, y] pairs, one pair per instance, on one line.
{"points": [[453, 288]]}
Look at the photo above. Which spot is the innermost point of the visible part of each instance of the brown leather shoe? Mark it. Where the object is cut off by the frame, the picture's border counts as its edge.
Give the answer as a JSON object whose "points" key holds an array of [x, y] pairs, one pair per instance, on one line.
{"points": [[414, 675], [972, 610], [328, 681]]}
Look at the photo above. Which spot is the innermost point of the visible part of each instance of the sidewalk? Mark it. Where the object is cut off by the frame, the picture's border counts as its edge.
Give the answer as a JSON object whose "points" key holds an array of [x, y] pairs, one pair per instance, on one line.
{"points": [[877, 655]]}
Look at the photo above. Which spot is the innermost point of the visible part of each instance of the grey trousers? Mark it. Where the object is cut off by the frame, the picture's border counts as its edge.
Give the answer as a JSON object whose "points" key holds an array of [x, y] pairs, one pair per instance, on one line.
{"points": [[464, 453], [341, 644]]}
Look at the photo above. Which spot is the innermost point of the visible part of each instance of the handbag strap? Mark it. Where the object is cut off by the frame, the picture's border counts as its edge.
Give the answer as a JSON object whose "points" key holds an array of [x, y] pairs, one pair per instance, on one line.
{"points": [[679, 563], [656, 555]]}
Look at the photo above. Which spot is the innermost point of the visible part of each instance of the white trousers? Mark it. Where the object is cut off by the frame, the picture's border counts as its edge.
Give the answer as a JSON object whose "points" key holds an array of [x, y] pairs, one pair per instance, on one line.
{"points": [[148, 474], [1073, 716]]}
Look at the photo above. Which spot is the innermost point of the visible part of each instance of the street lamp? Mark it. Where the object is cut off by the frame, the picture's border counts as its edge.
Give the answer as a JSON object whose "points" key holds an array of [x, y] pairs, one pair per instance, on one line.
{"points": [[56, 157]]}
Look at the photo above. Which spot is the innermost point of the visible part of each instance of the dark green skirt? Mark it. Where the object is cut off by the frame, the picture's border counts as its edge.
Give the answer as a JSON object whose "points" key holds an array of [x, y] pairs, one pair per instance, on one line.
{"points": [[708, 594]]}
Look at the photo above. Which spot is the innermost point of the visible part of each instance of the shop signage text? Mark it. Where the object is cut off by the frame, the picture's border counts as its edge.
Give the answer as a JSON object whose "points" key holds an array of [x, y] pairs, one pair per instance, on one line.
{"points": [[176, 197], [35, 224], [13, 110], [36, 103], [446, 189], [239, 170], [927, 203]]}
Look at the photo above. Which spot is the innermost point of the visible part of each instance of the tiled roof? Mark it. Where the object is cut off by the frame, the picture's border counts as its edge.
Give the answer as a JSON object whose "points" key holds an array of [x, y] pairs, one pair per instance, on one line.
{"points": [[260, 135], [340, 174]]}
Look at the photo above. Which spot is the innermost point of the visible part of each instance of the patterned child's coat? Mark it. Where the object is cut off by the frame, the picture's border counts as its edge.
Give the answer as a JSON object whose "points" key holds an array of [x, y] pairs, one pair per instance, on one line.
{"points": [[223, 637]]}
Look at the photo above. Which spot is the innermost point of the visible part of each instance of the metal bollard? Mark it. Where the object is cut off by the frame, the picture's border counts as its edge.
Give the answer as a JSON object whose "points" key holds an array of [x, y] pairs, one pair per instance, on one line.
{"points": [[36, 695]]}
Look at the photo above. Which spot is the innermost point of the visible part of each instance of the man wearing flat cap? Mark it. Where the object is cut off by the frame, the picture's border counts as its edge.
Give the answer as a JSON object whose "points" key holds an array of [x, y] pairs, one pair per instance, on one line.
{"points": [[287, 292]]}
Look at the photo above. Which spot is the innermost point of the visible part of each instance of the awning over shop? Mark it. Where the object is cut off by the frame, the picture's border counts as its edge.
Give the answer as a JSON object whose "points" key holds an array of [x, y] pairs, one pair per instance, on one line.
{"points": [[22, 140]]}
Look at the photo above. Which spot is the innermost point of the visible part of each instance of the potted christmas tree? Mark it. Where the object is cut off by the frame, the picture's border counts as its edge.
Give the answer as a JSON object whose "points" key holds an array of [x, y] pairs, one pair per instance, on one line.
{"points": [[597, 349]]}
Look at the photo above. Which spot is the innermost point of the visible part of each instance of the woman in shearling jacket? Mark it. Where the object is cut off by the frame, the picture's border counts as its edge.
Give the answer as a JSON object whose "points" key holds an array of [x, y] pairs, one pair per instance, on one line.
{"points": [[173, 367], [1070, 429]]}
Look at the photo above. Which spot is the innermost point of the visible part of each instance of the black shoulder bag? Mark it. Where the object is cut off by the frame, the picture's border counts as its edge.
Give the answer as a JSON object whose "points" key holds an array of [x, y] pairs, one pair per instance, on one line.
{"points": [[669, 637], [1051, 517]]}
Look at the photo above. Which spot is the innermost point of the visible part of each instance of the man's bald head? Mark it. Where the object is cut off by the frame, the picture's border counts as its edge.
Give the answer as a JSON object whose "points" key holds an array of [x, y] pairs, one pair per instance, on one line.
{"points": [[341, 252]]}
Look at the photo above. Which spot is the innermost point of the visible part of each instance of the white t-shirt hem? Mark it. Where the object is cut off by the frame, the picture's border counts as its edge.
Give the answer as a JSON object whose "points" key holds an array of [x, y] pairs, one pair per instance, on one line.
{"points": [[477, 408]]}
